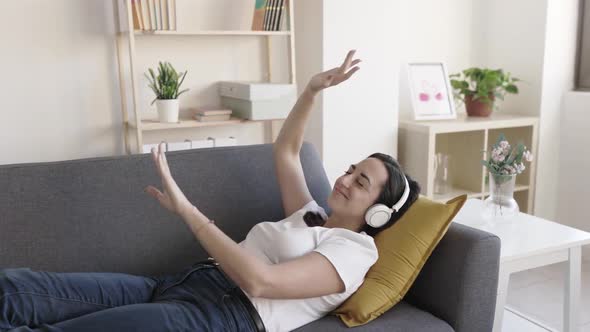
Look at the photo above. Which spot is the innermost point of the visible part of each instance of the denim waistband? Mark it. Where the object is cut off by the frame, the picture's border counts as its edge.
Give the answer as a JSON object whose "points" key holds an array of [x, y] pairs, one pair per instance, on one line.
{"points": [[240, 295]]}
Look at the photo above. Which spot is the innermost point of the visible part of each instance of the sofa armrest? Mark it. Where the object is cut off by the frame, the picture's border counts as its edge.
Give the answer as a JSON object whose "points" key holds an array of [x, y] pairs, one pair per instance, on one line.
{"points": [[459, 281]]}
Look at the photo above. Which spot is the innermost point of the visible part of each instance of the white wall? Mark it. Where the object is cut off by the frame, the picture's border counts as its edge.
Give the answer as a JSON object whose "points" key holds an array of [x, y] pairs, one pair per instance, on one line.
{"points": [[558, 79], [309, 31], [396, 33], [535, 41], [59, 100], [434, 31], [358, 117], [62, 100], [573, 187]]}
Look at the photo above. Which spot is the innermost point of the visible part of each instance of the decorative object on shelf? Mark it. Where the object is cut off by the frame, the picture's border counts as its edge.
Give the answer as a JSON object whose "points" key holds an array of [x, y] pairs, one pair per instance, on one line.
{"points": [[504, 164], [479, 87], [165, 87], [430, 91], [259, 15], [257, 100], [442, 184], [211, 113], [133, 20], [151, 15], [269, 15]]}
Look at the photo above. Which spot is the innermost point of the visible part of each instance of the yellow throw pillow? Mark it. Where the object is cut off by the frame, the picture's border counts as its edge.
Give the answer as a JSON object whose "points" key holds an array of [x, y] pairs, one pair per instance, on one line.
{"points": [[403, 250]]}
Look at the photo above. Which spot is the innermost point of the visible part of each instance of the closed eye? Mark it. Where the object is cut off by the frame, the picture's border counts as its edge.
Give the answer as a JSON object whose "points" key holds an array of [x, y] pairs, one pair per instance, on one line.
{"points": [[357, 181]]}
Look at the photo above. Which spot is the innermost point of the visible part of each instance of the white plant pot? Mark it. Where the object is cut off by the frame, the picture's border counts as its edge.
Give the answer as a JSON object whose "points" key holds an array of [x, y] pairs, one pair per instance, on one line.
{"points": [[167, 110]]}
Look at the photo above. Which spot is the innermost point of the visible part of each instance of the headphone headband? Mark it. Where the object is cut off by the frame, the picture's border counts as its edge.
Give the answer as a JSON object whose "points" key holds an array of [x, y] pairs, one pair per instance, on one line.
{"points": [[404, 197]]}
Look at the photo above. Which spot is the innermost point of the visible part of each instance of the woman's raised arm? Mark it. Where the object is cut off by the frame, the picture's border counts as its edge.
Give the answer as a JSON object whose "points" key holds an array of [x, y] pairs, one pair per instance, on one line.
{"points": [[294, 191]]}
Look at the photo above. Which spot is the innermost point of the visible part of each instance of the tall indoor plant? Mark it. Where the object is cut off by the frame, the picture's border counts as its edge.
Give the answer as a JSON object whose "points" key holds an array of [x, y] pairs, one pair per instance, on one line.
{"points": [[166, 87], [479, 87]]}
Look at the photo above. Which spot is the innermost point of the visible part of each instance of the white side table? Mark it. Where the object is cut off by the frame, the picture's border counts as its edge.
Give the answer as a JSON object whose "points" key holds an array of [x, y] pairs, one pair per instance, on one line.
{"points": [[528, 242]]}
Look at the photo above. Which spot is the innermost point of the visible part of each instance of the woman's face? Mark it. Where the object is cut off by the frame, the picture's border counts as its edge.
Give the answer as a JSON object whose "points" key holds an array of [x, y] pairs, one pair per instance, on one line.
{"points": [[355, 192]]}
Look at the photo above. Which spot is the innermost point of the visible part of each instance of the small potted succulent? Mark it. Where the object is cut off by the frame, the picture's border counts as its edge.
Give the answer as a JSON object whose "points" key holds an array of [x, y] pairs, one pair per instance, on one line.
{"points": [[166, 88], [479, 87]]}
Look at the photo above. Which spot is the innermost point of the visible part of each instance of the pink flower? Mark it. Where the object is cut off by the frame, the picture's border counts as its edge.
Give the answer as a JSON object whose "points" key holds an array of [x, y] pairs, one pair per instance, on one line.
{"points": [[528, 156], [509, 169], [504, 145], [498, 155]]}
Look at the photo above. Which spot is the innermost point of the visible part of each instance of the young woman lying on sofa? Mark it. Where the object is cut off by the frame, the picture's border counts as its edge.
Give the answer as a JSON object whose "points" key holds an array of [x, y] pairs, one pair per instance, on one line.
{"points": [[284, 275]]}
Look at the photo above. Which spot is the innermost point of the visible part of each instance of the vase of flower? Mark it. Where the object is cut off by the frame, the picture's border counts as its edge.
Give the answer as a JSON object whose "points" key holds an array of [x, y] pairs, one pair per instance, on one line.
{"points": [[501, 203], [504, 164]]}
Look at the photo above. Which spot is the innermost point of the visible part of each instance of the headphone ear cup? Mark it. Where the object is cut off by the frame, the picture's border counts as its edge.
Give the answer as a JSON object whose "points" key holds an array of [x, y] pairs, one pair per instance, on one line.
{"points": [[377, 215]]}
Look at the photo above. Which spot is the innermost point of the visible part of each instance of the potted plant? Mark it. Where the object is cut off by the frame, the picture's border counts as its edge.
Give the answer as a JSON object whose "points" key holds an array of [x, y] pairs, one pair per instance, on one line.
{"points": [[504, 164], [166, 87], [479, 87]]}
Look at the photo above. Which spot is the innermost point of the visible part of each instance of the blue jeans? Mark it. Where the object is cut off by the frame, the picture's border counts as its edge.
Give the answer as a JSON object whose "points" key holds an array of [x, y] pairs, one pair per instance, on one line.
{"points": [[197, 299]]}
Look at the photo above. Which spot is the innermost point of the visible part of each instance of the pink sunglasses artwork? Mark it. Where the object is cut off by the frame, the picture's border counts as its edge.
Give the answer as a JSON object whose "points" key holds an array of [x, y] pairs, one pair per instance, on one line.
{"points": [[429, 89]]}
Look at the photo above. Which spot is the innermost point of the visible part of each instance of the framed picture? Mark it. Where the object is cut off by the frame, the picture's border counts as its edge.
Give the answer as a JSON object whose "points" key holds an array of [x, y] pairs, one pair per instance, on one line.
{"points": [[430, 91]]}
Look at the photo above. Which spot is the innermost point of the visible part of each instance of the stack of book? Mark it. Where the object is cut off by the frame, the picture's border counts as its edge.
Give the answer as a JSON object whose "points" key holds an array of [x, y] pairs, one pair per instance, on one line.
{"points": [[208, 114], [154, 14], [270, 15]]}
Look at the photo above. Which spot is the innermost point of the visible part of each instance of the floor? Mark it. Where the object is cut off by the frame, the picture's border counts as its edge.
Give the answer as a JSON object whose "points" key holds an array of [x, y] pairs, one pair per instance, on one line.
{"points": [[538, 293]]}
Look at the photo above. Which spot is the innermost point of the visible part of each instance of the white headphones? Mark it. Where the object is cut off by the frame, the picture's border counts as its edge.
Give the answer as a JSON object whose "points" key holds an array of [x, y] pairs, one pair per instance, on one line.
{"points": [[379, 214]]}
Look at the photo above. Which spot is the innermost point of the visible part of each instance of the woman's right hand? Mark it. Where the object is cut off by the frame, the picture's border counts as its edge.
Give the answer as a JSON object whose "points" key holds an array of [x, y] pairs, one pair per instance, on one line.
{"points": [[336, 75]]}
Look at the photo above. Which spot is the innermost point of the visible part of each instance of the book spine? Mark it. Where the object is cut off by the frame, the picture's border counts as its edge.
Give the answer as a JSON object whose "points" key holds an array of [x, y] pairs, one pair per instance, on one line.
{"points": [[135, 15], [280, 7], [154, 21], [151, 13], [165, 19], [174, 24], [145, 16], [281, 14], [259, 15], [266, 14], [275, 15], [162, 25], [158, 15], [287, 19]]}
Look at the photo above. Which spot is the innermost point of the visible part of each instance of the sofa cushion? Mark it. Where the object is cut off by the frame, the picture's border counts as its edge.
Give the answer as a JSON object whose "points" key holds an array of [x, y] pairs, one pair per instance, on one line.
{"points": [[403, 250], [402, 318]]}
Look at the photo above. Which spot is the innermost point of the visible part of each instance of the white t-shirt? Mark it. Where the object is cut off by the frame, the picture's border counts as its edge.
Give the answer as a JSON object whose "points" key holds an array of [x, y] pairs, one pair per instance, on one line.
{"points": [[351, 253]]}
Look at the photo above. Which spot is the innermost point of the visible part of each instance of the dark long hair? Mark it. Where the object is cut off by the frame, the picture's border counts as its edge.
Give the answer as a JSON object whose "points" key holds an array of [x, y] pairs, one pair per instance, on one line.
{"points": [[392, 191]]}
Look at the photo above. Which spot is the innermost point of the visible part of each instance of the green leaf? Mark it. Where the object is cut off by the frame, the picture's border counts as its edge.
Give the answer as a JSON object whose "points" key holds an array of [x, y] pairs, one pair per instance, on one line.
{"points": [[512, 88], [166, 84]]}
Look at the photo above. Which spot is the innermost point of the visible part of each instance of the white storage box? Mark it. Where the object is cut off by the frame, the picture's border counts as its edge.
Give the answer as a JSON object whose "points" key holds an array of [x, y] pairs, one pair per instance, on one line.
{"points": [[256, 90], [260, 109]]}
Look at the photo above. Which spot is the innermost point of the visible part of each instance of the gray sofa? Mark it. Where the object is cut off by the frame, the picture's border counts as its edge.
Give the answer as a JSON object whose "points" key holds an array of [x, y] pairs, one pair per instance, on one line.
{"points": [[92, 215]]}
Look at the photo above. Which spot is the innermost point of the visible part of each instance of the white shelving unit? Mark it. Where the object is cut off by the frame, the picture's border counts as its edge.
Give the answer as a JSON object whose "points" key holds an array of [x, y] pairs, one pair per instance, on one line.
{"points": [[464, 139], [126, 41]]}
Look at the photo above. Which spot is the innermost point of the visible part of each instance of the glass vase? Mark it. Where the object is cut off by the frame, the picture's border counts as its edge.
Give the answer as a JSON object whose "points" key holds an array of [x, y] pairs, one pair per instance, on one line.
{"points": [[441, 174], [501, 203]]}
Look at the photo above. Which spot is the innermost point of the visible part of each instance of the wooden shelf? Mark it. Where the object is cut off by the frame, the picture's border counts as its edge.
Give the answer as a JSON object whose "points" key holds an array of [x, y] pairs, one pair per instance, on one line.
{"points": [[130, 68], [465, 139], [210, 33], [454, 192], [154, 124], [497, 120]]}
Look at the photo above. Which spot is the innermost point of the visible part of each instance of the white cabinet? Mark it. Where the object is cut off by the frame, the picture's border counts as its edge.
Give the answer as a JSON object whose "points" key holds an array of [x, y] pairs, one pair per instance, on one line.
{"points": [[465, 139]]}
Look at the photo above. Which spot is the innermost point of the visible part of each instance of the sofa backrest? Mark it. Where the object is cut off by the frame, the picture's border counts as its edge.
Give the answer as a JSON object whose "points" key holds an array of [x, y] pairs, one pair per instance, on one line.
{"points": [[93, 214]]}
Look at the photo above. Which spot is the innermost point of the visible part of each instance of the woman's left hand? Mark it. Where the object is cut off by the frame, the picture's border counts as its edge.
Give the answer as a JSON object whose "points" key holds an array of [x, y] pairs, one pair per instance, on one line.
{"points": [[172, 198]]}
